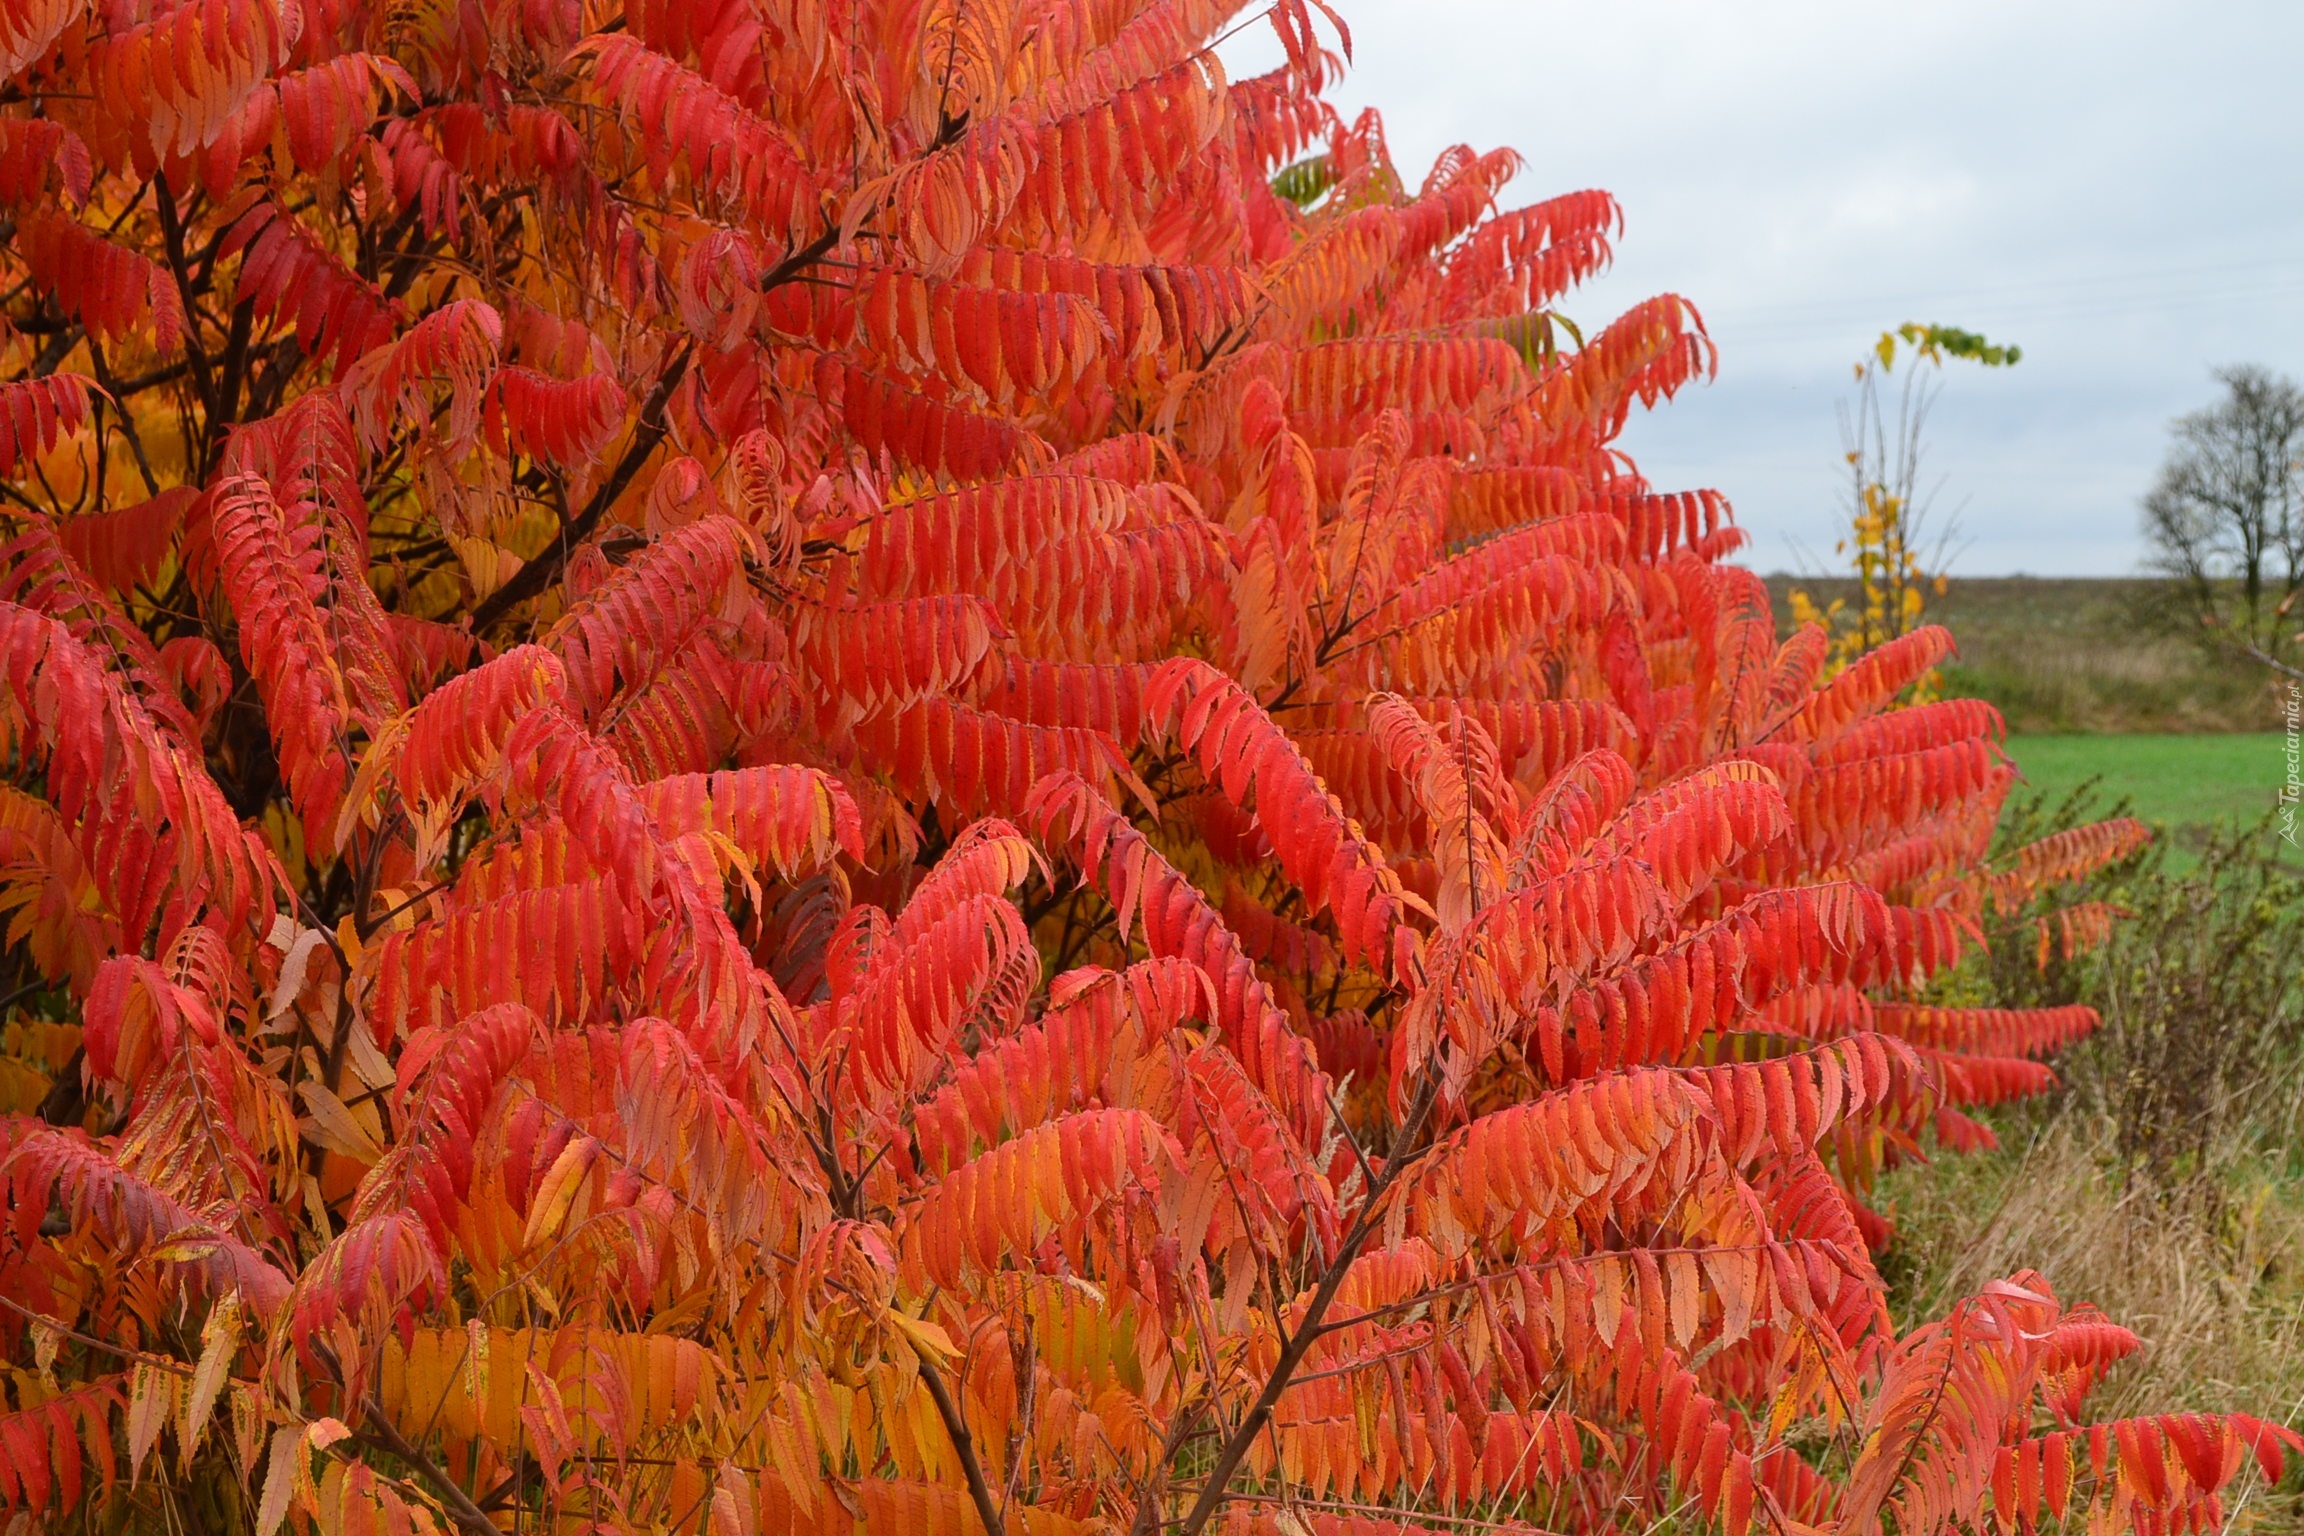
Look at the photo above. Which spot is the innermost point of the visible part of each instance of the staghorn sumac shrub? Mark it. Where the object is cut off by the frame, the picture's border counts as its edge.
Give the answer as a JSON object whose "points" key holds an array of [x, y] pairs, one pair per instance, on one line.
{"points": [[779, 767]]}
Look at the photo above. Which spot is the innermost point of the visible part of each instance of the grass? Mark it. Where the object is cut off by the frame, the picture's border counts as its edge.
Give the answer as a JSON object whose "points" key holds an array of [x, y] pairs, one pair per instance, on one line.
{"points": [[2173, 780], [2215, 1289], [2183, 785]]}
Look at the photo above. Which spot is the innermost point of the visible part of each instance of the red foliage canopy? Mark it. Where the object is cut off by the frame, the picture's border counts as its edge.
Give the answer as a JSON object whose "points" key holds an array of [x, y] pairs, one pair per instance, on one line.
{"points": [[597, 599]]}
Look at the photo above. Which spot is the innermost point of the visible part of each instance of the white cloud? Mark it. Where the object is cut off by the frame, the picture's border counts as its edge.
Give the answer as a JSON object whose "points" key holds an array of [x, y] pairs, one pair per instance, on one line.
{"points": [[2115, 186]]}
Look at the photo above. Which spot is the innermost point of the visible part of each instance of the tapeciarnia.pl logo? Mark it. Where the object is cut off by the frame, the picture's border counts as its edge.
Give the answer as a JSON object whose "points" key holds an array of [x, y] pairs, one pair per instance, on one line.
{"points": [[2292, 787]]}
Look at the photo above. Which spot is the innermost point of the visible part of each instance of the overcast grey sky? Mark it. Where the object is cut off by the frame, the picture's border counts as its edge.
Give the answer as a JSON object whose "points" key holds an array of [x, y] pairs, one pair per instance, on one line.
{"points": [[2117, 187]]}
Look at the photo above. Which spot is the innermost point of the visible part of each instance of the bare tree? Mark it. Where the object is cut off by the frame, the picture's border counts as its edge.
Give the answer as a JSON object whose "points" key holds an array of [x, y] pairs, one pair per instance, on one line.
{"points": [[2226, 518]]}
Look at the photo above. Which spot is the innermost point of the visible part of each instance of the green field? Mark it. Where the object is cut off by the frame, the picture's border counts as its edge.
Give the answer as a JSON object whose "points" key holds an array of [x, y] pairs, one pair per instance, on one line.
{"points": [[2181, 784]]}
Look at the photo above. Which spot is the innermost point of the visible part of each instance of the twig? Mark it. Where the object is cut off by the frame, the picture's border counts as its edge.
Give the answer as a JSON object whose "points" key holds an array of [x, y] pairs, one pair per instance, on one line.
{"points": [[962, 1442], [157, 1362], [385, 1434], [1308, 1330], [531, 579], [2277, 665]]}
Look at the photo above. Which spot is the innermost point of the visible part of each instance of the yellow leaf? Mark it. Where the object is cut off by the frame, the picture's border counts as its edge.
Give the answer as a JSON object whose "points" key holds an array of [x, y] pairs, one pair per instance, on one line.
{"points": [[1780, 1413], [558, 1193], [930, 1338], [729, 856], [283, 1470], [377, 759], [247, 1424], [151, 1393], [302, 944], [476, 1363], [370, 1066], [487, 566], [22, 1087], [337, 1127], [219, 1342], [46, 1339], [189, 1249]]}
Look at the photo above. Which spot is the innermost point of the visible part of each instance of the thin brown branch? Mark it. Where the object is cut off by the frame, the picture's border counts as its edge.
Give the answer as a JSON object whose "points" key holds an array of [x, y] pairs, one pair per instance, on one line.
{"points": [[1299, 1343], [119, 1352], [383, 1433], [2277, 665], [963, 1444], [531, 579]]}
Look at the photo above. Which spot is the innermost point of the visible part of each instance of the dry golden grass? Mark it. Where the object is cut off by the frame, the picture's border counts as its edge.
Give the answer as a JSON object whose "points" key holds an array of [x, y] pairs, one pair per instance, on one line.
{"points": [[2210, 1282], [2211, 1275]]}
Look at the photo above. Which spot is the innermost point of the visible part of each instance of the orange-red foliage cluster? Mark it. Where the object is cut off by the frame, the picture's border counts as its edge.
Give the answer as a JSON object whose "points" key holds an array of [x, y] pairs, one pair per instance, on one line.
{"points": [[888, 765]]}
